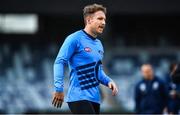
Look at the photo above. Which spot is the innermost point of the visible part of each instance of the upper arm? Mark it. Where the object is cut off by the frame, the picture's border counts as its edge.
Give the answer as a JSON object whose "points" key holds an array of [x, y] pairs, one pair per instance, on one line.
{"points": [[137, 93], [67, 49], [137, 97]]}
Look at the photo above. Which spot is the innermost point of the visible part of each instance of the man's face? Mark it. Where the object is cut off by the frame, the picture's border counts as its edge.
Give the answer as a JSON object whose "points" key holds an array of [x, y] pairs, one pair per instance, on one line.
{"points": [[147, 72], [97, 22]]}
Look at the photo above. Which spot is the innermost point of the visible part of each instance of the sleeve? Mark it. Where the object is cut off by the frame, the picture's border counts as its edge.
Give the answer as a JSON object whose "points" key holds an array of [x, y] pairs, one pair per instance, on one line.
{"points": [[137, 99], [65, 53], [164, 93], [102, 77]]}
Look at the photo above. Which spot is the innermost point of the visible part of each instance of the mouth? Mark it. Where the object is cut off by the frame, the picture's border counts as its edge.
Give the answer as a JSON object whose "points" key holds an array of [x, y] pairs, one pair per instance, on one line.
{"points": [[101, 27]]}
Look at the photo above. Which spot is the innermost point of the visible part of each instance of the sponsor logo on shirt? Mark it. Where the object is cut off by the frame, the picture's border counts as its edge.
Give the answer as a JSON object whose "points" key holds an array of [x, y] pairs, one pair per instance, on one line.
{"points": [[87, 49]]}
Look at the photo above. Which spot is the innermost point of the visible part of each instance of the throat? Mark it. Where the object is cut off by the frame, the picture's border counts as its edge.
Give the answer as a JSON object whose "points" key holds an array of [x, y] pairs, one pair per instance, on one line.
{"points": [[90, 34]]}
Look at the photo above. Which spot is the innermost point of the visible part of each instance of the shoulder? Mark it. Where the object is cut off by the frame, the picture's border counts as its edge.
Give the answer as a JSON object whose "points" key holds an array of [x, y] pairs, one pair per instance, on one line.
{"points": [[159, 80], [99, 42], [74, 37]]}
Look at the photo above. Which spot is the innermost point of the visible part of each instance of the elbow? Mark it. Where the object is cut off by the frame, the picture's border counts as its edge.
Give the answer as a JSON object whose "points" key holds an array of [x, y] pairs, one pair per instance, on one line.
{"points": [[58, 67], [60, 60]]}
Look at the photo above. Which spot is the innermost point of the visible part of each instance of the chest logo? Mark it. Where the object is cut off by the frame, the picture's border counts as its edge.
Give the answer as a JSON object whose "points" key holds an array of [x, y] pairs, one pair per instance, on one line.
{"points": [[87, 49], [155, 85], [142, 87]]}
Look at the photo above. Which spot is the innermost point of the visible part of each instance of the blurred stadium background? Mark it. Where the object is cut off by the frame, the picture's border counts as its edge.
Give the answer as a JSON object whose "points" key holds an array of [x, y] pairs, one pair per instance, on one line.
{"points": [[32, 31]]}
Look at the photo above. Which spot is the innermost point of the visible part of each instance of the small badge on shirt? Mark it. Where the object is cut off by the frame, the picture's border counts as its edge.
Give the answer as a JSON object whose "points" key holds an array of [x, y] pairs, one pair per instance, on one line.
{"points": [[143, 87], [87, 49], [155, 85]]}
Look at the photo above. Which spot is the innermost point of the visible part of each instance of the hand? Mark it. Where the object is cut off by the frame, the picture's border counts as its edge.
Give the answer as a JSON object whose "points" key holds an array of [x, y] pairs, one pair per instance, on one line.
{"points": [[165, 110], [58, 98], [113, 87], [173, 93]]}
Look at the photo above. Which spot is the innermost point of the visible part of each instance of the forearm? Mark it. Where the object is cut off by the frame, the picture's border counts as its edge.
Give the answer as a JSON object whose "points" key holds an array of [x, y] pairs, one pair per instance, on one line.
{"points": [[59, 75], [106, 79], [103, 78], [137, 98]]}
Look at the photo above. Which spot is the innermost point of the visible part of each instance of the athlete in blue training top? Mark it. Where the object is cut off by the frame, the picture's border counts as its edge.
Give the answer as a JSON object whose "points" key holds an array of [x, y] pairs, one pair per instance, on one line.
{"points": [[83, 52]]}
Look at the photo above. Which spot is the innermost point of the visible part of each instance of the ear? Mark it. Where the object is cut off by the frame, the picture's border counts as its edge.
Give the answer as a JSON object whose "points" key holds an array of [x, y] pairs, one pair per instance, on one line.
{"points": [[88, 20]]}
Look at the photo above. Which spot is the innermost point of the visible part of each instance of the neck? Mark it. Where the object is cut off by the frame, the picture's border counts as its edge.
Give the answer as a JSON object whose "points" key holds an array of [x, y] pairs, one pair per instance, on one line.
{"points": [[88, 30], [150, 78]]}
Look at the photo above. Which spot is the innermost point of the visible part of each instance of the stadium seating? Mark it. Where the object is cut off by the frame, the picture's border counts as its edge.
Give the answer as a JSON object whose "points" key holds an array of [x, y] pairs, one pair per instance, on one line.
{"points": [[26, 76]]}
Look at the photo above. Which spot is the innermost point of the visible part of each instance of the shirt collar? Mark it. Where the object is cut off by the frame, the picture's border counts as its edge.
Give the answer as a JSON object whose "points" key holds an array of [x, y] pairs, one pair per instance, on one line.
{"points": [[93, 38]]}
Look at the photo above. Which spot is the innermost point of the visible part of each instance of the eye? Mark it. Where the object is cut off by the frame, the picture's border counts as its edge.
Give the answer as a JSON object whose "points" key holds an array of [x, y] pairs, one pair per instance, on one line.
{"points": [[100, 18]]}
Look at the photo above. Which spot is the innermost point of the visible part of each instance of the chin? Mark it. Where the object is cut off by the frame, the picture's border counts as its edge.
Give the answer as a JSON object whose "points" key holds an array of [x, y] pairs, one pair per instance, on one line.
{"points": [[99, 32]]}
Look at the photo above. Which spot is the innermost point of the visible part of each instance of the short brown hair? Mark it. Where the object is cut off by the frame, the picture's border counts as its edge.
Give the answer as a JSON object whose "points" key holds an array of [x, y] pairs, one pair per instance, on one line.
{"points": [[90, 9]]}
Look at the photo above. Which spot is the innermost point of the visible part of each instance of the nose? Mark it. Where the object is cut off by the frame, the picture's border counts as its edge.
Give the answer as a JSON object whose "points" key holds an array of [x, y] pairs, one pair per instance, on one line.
{"points": [[103, 22]]}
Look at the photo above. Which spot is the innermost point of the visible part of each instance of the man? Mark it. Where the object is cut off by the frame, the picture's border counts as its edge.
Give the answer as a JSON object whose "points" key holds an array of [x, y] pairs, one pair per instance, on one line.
{"points": [[150, 93], [174, 89], [175, 72], [83, 52]]}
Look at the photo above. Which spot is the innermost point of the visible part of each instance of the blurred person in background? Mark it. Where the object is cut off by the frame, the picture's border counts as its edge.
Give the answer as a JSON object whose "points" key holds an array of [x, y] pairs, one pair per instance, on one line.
{"points": [[174, 89], [150, 93], [83, 52]]}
